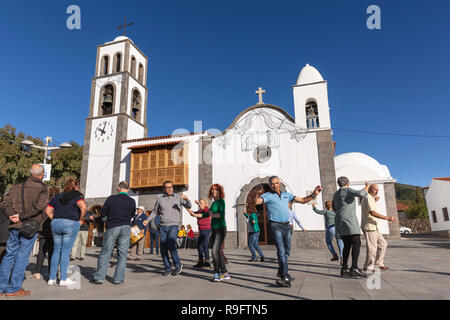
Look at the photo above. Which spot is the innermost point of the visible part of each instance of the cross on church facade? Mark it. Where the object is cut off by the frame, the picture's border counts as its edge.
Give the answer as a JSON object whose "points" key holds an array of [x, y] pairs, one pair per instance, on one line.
{"points": [[260, 92], [124, 26]]}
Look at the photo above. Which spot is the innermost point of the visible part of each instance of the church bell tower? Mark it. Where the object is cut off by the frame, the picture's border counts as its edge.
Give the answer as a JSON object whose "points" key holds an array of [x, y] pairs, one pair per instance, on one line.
{"points": [[118, 111]]}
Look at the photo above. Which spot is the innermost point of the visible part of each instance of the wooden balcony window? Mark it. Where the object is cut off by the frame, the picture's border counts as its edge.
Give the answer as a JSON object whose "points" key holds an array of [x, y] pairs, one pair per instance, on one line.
{"points": [[151, 165]]}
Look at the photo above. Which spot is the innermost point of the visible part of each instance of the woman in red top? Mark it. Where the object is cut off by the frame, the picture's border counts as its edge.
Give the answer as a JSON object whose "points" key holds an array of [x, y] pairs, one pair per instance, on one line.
{"points": [[204, 228]]}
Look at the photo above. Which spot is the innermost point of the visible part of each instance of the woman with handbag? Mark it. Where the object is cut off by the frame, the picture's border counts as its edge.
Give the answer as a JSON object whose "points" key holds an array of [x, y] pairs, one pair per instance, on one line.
{"points": [[67, 211]]}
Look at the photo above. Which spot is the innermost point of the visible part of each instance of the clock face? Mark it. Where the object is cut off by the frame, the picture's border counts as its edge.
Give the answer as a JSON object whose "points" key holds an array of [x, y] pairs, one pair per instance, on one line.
{"points": [[104, 131]]}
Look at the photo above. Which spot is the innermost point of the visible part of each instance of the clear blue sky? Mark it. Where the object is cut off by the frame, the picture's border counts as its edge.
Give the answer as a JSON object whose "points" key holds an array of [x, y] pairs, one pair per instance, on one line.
{"points": [[208, 57]]}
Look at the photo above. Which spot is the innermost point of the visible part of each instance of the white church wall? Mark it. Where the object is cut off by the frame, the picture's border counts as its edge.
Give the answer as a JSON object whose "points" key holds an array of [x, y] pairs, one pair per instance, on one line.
{"points": [[319, 93], [135, 131], [438, 198], [193, 190], [110, 50], [114, 79], [101, 161], [296, 163]]}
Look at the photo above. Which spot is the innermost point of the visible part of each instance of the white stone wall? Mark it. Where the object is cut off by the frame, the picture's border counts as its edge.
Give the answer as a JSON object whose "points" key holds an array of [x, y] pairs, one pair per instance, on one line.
{"points": [[101, 161], [437, 198]]}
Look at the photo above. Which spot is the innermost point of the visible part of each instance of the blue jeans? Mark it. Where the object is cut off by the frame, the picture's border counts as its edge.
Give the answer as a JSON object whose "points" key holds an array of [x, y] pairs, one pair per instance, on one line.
{"points": [[282, 234], [168, 242], [64, 233], [329, 235], [121, 235], [253, 238], [202, 244], [154, 238], [15, 262]]}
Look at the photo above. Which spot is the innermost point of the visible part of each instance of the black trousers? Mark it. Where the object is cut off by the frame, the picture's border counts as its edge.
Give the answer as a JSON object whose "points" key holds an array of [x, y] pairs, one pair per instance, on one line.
{"points": [[351, 243], [45, 247], [217, 239]]}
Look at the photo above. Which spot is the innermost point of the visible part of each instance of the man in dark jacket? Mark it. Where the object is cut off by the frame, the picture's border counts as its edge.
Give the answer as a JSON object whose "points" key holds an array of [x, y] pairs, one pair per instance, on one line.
{"points": [[118, 210], [4, 234], [24, 202]]}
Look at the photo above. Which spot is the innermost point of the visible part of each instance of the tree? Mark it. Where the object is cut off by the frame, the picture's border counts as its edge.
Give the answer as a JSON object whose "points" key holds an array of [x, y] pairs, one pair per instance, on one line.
{"points": [[16, 160]]}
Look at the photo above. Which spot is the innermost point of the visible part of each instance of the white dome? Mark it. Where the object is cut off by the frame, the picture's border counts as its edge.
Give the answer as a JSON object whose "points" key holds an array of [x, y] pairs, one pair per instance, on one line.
{"points": [[120, 38], [309, 74], [360, 167]]}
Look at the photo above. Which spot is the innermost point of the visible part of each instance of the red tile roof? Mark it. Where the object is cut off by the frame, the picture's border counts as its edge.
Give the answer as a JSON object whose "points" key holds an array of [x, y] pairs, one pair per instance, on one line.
{"points": [[144, 146], [164, 137], [442, 179]]}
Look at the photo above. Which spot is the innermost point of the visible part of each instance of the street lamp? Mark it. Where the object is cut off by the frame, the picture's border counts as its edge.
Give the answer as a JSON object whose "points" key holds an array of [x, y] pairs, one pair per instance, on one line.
{"points": [[46, 148]]}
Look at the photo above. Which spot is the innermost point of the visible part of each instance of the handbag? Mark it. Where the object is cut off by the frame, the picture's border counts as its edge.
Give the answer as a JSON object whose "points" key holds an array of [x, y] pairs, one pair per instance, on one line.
{"points": [[29, 227]]}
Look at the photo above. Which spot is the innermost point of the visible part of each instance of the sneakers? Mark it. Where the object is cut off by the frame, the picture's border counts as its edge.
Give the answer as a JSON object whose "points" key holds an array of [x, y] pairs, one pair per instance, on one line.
{"points": [[284, 282], [355, 272], [253, 260], [51, 282], [178, 270], [166, 273], [67, 282], [262, 259], [225, 276], [216, 277], [93, 281]]}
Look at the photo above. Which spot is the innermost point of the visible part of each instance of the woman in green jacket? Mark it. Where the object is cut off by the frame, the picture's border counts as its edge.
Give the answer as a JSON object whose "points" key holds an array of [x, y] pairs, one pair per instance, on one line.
{"points": [[253, 233]]}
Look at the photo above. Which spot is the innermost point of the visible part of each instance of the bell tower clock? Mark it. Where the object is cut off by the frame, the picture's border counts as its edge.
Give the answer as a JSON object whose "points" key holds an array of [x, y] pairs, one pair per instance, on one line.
{"points": [[118, 111]]}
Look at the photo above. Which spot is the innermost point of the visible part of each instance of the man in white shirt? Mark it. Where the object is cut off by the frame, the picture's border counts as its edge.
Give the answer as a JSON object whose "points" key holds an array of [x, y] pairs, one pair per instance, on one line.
{"points": [[376, 245]]}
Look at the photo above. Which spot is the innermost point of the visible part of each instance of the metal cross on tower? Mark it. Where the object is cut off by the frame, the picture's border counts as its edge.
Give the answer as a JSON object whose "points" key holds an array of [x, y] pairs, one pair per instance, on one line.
{"points": [[124, 26]]}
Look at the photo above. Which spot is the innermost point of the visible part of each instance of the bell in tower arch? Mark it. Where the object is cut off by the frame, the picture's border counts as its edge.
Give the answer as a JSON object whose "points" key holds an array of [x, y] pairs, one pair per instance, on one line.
{"points": [[107, 102]]}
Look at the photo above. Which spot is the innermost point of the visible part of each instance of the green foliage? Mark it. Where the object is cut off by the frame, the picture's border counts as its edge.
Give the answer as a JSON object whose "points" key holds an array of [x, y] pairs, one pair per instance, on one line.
{"points": [[413, 197], [16, 160], [417, 211]]}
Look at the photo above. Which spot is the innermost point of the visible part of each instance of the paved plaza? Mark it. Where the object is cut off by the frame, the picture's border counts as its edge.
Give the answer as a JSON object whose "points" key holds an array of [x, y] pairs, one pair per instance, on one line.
{"points": [[419, 270]]}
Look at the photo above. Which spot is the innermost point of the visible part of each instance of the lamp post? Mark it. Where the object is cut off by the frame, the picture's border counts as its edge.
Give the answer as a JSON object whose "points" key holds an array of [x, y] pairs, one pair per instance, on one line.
{"points": [[46, 148]]}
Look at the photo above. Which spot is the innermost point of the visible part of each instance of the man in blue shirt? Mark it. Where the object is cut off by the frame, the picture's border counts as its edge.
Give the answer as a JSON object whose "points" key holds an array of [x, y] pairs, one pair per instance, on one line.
{"points": [[279, 217]]}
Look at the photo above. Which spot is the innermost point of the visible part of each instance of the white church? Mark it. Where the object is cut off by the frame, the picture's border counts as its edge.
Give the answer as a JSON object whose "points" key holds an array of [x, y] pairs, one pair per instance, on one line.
{"points": [[262, 141]]}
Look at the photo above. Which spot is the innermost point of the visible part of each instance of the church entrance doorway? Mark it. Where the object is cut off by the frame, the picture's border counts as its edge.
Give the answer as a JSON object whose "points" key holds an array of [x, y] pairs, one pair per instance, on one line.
{"points": [[265, 236]]}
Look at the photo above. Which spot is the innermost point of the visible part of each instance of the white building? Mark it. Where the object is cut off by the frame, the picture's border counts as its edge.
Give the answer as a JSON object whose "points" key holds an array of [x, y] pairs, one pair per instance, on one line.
{"points": [[437, 197], [263, 140]]}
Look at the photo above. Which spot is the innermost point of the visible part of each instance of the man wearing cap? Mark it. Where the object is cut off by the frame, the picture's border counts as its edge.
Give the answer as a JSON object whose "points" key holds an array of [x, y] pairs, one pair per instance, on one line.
{"points": [[138, 220]]}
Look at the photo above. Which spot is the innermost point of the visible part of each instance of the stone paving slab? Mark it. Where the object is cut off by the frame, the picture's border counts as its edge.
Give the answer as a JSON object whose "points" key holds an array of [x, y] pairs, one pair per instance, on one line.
{"points": [[419, 270]]}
